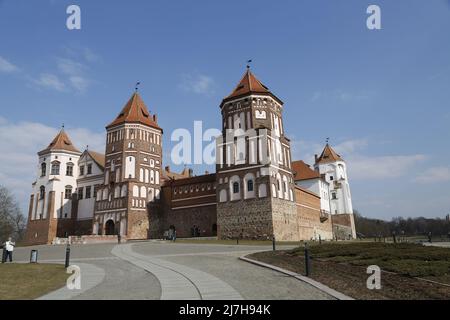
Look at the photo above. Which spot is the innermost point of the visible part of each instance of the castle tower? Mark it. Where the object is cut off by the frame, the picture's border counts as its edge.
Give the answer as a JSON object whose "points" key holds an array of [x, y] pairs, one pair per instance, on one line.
{"points": [[333, 167], [255, 187], [51, 209], [133, 160]]}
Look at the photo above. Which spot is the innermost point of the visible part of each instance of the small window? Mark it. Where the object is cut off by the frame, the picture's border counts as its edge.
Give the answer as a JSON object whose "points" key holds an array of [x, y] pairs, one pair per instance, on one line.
{"points": [[331, 178], [250, 185], [81, 170], [68, 192], [43, 169], [88, 192], [80, 193], [89, 169], [334, 196], [236, 187], [69, 170], [42, 192]]}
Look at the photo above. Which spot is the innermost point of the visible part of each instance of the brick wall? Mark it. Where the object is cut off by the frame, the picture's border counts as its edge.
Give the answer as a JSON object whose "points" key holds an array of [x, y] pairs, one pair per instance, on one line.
{"points": [[310, 225]]}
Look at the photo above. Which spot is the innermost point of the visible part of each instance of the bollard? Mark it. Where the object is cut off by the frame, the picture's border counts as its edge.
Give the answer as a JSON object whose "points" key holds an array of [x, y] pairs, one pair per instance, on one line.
{"points": [[67, 255], [237, 241], [273, 243], [320, 239], [307, 261], [33, 256]]}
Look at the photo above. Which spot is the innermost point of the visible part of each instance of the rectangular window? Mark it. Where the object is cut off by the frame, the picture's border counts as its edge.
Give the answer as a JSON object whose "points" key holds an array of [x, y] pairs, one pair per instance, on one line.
{"points": [[55, 169], [81, 170], [68, 193], [88, 192], [333, 196], [69, 171], [80, 193], [89, 169]]}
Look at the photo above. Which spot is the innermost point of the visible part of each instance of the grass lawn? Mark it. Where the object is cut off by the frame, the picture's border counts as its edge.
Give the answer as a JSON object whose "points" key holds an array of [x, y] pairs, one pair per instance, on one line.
{"points": [[342, 266], [30, 281]]}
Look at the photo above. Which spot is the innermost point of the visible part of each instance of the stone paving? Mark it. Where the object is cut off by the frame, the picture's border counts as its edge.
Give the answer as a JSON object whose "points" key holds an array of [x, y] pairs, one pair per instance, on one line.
{"points": [[165, 270]]}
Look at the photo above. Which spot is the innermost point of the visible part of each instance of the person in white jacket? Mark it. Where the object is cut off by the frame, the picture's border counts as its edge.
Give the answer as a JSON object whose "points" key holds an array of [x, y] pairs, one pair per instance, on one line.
{"points": [[9, 247]]}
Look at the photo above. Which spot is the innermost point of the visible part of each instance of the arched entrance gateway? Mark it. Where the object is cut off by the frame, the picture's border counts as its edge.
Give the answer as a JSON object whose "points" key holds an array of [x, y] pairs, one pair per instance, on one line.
{"points": [[109, 228]]}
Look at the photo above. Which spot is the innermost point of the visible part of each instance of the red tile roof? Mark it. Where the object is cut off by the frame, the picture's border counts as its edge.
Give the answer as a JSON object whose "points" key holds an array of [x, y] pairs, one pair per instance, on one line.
{"points": [[249, 84], [61, 143], [135, 111], [302, 171], [328, 155]]}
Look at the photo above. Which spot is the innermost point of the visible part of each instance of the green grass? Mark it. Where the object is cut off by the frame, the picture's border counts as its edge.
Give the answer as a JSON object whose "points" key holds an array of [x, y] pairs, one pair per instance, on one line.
{"points": [[412, 260], [30, 281]]}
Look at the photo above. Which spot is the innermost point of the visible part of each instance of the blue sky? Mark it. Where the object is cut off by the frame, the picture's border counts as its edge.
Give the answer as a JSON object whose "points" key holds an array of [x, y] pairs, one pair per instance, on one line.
{"points": [[381, 96]]}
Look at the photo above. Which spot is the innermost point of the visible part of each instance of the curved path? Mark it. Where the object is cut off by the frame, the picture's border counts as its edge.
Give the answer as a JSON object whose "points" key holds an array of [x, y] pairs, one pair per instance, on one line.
{"points": [[179, 282]]}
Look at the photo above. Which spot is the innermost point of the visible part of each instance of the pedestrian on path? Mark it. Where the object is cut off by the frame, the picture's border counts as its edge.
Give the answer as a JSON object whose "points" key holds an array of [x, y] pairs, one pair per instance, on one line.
{"points": [[9, 247]]}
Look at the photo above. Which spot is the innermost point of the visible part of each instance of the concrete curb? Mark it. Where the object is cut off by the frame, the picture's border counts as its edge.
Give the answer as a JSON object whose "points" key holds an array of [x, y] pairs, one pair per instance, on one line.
{"points": [[335, 294]]}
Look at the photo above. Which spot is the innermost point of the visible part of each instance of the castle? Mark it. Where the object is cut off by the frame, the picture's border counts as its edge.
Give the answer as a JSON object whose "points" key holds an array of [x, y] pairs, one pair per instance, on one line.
{"points": [[257, 192]]}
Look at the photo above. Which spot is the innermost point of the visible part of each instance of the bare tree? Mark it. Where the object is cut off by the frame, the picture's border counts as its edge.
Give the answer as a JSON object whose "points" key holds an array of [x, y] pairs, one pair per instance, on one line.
{"points": [[12, 222]]}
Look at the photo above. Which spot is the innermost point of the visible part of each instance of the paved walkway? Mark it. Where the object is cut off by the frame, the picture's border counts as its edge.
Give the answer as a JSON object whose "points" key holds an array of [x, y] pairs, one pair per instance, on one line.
{"points": [[91, 276], [179, 282], [166, 270]]}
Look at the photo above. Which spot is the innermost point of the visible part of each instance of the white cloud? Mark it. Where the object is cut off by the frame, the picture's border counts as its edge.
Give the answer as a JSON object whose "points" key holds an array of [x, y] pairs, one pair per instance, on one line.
{"points": [[51, 81], [434, 175], [200, 84], [381, 167], [79, 83], [20, 143], [360, 165], [70, 67], [6, 66]]}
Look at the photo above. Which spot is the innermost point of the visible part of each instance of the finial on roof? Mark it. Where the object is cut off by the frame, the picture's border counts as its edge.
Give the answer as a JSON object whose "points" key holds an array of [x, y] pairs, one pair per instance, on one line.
{"points": [[87, 147], [327, 140], [137, 86], [248, 64], [62, 127]]}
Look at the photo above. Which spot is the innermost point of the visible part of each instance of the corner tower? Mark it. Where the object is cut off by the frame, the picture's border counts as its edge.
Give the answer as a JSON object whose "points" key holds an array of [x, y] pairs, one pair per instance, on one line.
{"points": [[255, 187], [334, 169], [51, 209], [133, 160]]}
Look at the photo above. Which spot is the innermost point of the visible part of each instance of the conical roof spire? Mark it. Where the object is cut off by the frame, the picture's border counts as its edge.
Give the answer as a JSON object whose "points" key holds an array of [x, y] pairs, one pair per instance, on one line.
{"points": [[61, 142], [328, 155], [135, 111], [249, 84]]}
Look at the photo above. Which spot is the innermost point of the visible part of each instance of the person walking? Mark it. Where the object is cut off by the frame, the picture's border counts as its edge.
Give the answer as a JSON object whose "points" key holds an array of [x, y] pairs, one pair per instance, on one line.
{"points": [[9, 247]]}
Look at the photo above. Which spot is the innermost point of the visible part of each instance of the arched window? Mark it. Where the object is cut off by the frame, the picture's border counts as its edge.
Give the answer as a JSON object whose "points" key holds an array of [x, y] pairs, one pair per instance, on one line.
{"points": [[43, 169], [143, 192], [42, 192], [135, 191], [55, 168], [235, 187], [249, 183]]}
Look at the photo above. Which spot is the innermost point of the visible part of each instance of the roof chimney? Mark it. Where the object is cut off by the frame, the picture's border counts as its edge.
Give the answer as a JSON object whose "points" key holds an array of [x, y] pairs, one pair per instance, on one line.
{"points": [[206, 172], [191, 173], [155, 118], [316, 157]]}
